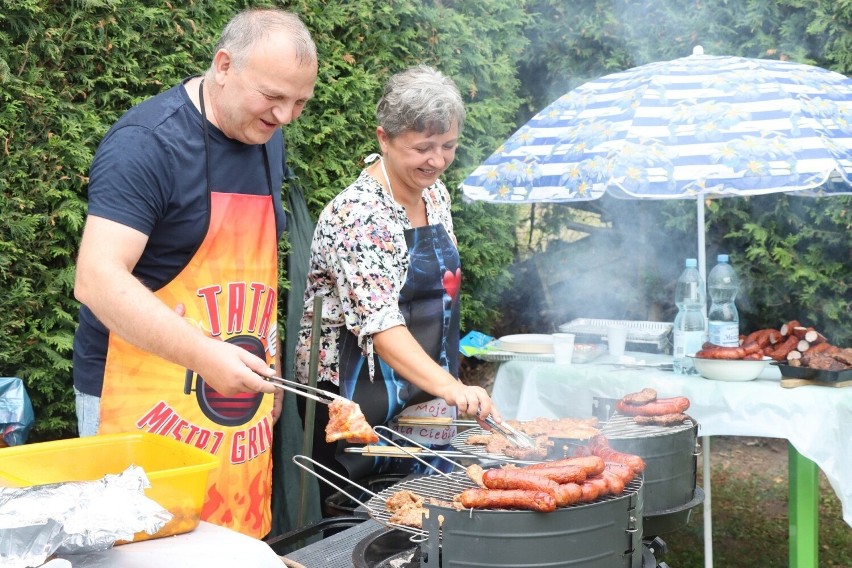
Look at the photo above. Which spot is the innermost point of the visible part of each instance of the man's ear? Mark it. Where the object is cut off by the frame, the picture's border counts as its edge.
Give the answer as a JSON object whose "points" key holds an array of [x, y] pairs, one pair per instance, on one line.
{"points": [[222, 62]]}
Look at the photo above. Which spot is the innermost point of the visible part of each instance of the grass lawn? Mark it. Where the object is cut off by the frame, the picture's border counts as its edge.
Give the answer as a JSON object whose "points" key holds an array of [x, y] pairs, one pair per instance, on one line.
{"points": [[750, 514]]}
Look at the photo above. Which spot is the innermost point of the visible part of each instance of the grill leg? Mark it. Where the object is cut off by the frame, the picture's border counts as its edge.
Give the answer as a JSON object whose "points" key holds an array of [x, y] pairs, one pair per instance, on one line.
{"points": [[804, 509]]}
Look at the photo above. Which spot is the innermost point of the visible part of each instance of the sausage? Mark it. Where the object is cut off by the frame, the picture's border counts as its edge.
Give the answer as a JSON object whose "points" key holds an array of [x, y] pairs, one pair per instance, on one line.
{"points": [[568, 494], [774, 337], [592, 465], [508, 499], [819, 348], [614, 482], [718, 352], [750, 347], [761, 337], [624, 472], [563, 474], [787, 329], [589, 492], [600, 483], [799, 331], [600, 447], [673, 405], [814, 337], [515, 478], [780, 352]]}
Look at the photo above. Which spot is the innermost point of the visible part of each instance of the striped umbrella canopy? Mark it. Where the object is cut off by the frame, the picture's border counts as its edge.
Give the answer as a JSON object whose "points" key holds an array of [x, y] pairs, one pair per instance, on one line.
{"points": [[696, 126]]}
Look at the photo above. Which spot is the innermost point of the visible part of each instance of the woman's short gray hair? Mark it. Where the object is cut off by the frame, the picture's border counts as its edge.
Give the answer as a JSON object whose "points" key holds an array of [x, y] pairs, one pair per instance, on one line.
{"points": [[420, 99], [250, 26]]}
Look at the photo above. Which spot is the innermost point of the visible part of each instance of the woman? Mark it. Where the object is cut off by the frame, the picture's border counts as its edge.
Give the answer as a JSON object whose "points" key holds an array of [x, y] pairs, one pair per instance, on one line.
{"points": [[384, 260]]}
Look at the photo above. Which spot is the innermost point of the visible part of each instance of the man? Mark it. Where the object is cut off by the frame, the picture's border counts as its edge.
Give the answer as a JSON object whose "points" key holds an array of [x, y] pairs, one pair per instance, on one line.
{"points": [[177, 269]]}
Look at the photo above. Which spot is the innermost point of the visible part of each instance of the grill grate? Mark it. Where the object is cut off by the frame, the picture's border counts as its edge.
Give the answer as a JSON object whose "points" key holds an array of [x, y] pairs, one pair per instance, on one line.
{"points": [[442, 489], [619, 427], [459, 442]]}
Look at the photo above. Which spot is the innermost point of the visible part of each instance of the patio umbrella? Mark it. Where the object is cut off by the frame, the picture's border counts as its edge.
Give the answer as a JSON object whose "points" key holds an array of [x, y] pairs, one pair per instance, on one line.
{"points": [[691, 128], [695, 127]]}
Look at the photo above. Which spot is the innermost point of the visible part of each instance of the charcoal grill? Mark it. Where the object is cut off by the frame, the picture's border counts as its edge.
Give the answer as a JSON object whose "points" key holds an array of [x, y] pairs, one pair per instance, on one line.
{"points": [[604, 533], [670, 454], [671, 466], [367, 544]]}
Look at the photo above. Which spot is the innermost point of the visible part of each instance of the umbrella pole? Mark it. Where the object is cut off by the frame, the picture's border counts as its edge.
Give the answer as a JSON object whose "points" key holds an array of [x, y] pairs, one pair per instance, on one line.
{"points": [[705, 440]]}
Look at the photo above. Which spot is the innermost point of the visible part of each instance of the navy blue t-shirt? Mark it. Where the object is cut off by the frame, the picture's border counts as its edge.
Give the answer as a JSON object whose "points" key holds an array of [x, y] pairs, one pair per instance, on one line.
{"points": [[149, 173]]}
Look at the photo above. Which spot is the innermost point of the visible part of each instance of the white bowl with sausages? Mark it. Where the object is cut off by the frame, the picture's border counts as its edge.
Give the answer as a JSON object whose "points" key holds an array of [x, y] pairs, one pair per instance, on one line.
{"points": [[734, 370]]}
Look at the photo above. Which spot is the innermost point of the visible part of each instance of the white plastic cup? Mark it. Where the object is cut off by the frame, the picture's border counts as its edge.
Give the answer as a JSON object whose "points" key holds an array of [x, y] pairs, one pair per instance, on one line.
{"points": [[563, 348], [616, 337]]}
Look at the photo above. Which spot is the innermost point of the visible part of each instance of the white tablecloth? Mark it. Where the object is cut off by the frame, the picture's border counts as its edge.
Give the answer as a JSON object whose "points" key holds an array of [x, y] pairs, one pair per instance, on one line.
{"points": [[817, 420]]}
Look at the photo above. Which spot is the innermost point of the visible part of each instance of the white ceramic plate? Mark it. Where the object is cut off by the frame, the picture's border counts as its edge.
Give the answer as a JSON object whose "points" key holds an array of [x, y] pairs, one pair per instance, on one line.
{"points": [[730, 370], [527, 343]]}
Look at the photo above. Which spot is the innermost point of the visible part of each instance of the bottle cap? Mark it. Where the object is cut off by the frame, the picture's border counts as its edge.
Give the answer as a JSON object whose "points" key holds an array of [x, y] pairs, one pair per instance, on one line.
{"points": [[722, 258], [691, 263]]}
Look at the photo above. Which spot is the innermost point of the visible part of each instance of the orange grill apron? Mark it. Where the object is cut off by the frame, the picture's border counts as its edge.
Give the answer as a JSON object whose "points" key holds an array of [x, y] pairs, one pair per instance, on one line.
{"points": [[229, 289]]}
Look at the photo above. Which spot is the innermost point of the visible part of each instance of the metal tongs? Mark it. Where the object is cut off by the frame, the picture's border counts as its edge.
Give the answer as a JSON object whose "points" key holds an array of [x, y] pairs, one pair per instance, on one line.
{"points": [[516, 437], [319, 395], [520, 439]]}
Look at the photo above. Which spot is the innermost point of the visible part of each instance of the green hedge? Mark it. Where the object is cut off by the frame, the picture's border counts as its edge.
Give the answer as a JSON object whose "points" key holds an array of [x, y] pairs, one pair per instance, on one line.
{"points": [[68, 70]]}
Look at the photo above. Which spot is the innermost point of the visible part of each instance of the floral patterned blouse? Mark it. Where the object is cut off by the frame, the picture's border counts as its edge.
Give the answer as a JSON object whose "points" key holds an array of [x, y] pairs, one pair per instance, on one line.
{"points": [[359, 262]]}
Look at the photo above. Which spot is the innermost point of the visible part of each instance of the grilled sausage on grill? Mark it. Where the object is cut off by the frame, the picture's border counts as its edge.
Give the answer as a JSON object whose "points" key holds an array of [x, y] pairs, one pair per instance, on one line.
{"points": [[516, 478], [592, 465], [659, 407], [508, 499], [600, 447]]}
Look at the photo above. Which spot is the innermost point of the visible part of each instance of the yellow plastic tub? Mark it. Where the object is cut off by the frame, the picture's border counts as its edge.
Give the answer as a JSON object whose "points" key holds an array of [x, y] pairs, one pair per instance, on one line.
{"points": [[178, 472]]}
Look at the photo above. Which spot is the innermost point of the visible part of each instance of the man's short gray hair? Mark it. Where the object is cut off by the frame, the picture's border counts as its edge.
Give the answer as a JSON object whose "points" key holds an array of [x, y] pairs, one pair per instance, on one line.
{"points": [[420, 99], [250, 26]]}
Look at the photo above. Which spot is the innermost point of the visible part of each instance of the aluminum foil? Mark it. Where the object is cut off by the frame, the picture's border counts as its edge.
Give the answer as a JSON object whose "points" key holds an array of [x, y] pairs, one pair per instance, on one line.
{"points": [[74, 517]]}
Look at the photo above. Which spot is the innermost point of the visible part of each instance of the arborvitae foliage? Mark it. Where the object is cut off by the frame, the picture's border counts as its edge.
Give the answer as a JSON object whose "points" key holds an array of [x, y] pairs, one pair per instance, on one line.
{"points": [[68, 70]]}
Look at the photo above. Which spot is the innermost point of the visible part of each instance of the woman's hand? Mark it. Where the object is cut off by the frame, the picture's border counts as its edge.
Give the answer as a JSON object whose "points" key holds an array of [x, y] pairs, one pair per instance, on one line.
{"points": [[470, 400], [401, 351]]}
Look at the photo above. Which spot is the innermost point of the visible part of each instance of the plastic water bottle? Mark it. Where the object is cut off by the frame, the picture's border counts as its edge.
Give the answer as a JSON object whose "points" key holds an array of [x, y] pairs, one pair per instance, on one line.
{"points": [[723, 319], [689, 329]]}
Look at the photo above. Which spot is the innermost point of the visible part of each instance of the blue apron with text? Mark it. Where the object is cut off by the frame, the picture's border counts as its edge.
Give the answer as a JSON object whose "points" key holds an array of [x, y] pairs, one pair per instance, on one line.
{"points": [[429, 302]]}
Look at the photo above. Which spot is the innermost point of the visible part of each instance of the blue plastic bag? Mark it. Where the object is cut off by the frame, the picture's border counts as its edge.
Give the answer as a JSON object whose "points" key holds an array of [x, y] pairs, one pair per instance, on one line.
{"points": [[475, 343], [16, 411]]}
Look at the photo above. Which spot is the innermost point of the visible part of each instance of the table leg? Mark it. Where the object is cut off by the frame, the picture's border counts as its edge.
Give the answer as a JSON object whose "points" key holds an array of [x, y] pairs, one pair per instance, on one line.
{"points": [[708, 503], [804, 510]]}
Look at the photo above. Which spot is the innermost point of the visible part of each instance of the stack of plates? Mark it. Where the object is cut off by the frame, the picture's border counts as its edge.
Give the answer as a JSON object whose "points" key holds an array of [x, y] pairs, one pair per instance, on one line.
{"points": [[526, 343]]}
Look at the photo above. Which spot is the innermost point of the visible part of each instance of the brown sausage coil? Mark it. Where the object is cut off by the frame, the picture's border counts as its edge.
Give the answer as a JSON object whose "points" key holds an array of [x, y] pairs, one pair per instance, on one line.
{"points": [[513, 478], [568, 494], [673, 405], [592, 465], [614, 482], [507, 499], [717, 352], [564, 474], [600, 447], [623, 471]]}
